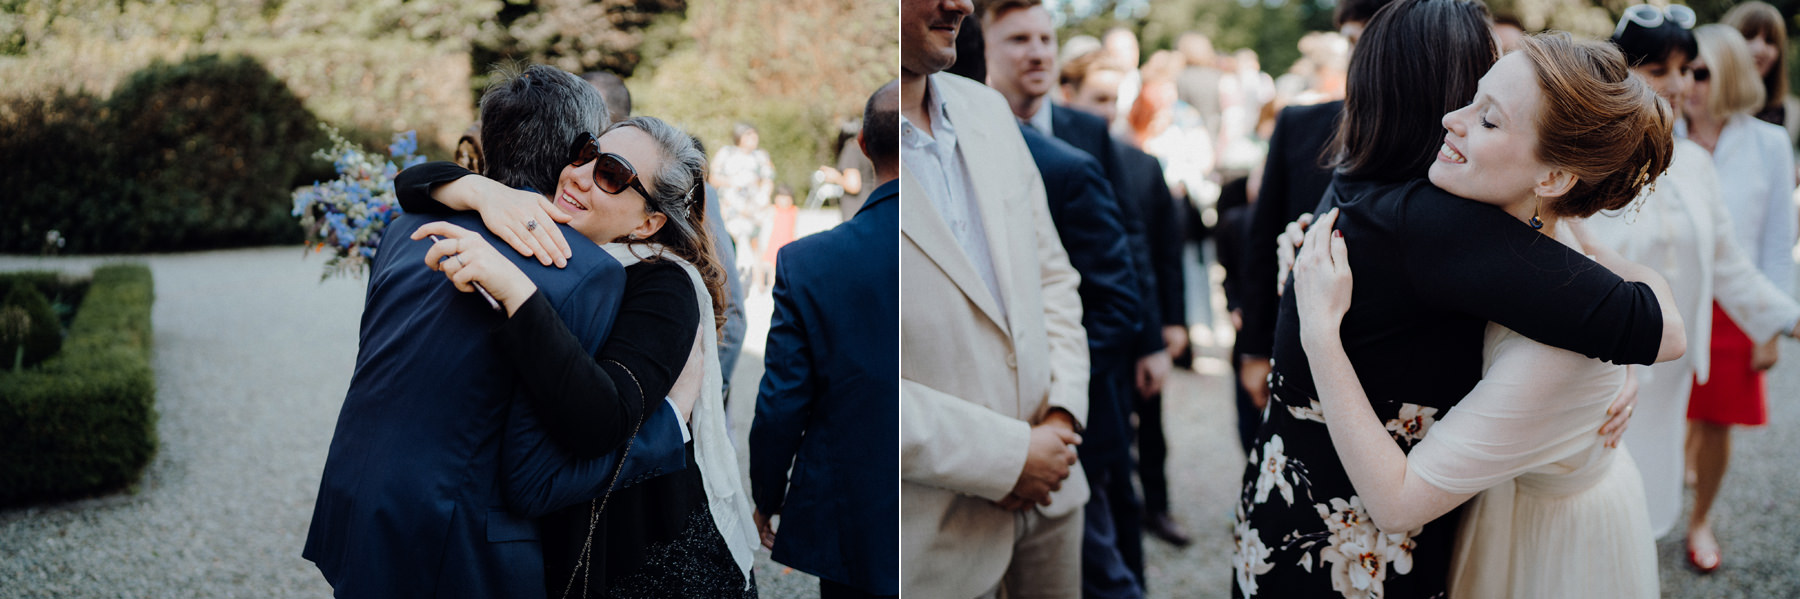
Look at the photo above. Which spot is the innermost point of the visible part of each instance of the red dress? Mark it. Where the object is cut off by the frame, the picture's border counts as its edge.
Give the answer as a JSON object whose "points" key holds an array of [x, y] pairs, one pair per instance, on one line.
{"points": [[1735, 393], [782, 232]]}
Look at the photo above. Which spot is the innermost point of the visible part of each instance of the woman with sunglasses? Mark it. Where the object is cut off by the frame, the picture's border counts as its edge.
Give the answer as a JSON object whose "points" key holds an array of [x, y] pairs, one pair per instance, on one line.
{"points": [[1436, 268], [1756, 182], [637, 191], [1683, 230]]}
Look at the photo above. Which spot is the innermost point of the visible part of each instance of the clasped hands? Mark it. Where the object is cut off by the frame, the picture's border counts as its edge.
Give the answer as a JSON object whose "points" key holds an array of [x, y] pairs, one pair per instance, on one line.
{"points": [[1047, 462]]}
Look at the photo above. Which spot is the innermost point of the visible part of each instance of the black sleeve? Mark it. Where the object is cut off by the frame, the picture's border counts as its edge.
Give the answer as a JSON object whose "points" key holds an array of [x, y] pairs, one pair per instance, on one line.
{"points": [[1258, 265], [413, 186], [1476, 259], [1149, 326], [590, 404], [1165, 225]]}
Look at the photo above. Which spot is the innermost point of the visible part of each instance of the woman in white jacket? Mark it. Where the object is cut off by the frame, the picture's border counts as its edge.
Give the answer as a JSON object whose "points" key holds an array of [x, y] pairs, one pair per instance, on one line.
{"points": [[1684, 231]]}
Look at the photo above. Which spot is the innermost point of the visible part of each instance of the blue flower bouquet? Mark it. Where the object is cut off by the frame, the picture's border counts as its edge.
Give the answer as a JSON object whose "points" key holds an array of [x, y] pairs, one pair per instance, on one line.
{"points": [[347, 215]]}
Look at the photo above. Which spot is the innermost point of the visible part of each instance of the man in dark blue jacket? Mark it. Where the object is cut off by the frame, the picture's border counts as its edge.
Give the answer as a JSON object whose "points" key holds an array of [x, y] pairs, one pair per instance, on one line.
{"points": [[829, 405], [437, 468]]}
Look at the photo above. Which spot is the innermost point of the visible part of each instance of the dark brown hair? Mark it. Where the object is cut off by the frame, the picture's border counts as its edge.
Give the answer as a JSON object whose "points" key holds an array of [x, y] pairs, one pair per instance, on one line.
{"points": [[1417, 61], [1599, 122]]}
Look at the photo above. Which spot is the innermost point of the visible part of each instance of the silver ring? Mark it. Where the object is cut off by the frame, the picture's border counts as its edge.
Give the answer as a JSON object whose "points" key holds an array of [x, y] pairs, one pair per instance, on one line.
{"points": [[531, 225], [459, 262]]}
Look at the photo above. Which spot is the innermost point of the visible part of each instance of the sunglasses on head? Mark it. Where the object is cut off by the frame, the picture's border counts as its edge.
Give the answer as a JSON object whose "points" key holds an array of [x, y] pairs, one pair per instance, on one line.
{"points": [[1651, 17], [612, 173]]}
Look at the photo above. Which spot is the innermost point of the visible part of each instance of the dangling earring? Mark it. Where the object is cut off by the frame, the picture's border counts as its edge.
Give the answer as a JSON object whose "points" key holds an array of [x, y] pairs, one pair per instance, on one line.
{"points": [[1535, 222]]}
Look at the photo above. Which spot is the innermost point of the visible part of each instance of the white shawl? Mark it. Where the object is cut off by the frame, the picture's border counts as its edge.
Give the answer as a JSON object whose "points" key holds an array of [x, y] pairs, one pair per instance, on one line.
{"points": [[713, 451]]}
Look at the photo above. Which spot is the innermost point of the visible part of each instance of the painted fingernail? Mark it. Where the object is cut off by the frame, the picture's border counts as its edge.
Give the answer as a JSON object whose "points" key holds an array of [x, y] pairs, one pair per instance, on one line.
{"points": [[1339, 234]]}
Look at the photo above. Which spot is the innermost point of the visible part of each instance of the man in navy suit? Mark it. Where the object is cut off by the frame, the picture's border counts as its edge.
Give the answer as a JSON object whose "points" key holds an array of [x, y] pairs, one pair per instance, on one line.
{"points": [[437, 467], [830, 397], [1020, 50]]}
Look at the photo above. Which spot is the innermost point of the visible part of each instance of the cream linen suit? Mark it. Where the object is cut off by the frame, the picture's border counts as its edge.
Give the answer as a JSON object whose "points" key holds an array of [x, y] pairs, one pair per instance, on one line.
{"points": [[972, 381]]}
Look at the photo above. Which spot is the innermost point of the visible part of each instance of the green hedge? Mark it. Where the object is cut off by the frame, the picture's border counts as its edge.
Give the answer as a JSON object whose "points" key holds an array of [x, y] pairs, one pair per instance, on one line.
{"points": [[84, 421], [191, 155], [197, 148]]}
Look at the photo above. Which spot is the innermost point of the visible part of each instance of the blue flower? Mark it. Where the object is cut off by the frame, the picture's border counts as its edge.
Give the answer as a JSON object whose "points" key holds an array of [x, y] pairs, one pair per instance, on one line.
{"points": [[404, 144]]}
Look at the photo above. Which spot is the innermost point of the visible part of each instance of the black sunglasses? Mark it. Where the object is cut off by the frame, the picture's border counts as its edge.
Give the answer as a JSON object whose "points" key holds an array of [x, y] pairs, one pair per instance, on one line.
{"points": [[612, 173], [1702, 74]]}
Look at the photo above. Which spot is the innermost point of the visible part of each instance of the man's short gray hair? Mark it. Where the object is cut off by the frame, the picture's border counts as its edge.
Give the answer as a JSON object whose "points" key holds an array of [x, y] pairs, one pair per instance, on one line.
{"points": [[528, 119]]}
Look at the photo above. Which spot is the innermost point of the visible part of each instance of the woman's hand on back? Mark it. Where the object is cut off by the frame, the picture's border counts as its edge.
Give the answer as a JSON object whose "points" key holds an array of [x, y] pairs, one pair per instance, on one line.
{"points": [[467, 258], [1322, 282], [524, 220]]}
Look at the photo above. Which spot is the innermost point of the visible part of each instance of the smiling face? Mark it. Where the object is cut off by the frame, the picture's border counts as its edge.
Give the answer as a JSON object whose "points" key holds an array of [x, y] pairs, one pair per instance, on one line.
{"points": [[1695, 106], [928, 33], [1490, 151], [1673, 78], [603, 216], [1764, 53], [1021, 52]]}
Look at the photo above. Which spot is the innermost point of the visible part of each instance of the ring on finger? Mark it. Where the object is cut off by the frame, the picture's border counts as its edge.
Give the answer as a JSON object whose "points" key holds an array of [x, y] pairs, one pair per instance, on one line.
{"points": [[531, 225], [459, 260]]}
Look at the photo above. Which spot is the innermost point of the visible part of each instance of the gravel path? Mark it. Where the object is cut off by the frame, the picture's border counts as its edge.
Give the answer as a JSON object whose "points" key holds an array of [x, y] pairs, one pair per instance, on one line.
{"points": [[1756, 518], [252, 358]]}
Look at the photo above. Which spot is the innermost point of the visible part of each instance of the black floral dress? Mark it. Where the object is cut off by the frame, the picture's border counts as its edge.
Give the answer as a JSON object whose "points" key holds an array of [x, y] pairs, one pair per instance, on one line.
{"points": [[1431, 270]]}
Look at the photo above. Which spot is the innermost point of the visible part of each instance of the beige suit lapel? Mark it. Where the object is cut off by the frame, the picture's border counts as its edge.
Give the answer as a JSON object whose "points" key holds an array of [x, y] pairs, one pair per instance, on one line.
{"points": [[921, 223], [978, 146]]}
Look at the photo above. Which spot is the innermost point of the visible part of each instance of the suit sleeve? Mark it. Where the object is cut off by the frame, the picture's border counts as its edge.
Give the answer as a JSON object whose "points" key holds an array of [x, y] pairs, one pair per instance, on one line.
{"points": [[1755, 303], [785, 398], [1478, 260], [1164, 228], [413, 186], [1068, 352], [1148, 338], [1267, 219], [1776, 254], [588, 405], [987, 469], [1088, 222]]}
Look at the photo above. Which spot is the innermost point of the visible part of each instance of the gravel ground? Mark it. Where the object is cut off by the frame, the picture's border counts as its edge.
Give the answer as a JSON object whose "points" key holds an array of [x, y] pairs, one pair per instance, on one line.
{"points": [[1756, 516], [252, 358]]}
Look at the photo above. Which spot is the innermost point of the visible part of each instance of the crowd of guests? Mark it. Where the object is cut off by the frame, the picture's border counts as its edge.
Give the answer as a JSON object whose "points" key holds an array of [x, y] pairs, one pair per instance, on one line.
{"points": [[1068, 199]]}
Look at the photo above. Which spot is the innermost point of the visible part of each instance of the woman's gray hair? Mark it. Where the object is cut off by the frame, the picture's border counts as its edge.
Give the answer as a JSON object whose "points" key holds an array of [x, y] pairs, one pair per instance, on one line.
{"points": [[675, 192], [680, 195]]}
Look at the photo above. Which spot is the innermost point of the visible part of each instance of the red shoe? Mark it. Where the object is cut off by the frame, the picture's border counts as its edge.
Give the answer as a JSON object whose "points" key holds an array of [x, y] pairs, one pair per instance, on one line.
{"points": [[1704, 561]]}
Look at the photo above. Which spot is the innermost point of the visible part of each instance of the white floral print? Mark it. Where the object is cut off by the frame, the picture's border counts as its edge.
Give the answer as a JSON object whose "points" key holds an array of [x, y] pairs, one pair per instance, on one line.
{"points": [[1314, 412], [1414, 420], [1360, 554], [1272, 472], [1252, 557]]}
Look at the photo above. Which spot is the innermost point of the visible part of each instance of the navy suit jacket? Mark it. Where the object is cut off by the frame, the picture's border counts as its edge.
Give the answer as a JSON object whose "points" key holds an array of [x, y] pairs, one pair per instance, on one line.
{"points": [[437, 467], [831, 396], [1088, 219], [1088, 133]]}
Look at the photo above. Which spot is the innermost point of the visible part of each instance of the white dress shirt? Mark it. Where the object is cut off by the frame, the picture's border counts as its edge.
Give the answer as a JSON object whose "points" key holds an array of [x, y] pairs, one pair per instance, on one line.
{"points": [[1756, 182], [936, 161]]}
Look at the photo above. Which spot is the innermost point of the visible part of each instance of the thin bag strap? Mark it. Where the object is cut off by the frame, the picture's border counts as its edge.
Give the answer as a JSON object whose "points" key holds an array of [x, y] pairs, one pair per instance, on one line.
{"points": [[584, 562]]}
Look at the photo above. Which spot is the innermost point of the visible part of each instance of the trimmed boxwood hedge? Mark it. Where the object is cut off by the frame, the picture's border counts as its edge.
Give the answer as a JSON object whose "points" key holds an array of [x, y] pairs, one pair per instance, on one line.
{"points": [[84, 421]]}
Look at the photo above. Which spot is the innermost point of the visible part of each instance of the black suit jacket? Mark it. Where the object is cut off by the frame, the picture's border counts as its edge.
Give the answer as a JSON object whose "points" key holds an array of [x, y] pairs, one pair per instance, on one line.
{"points": [[1163, 227], [1087, 218], [1088, 133], [1293, 183]]}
